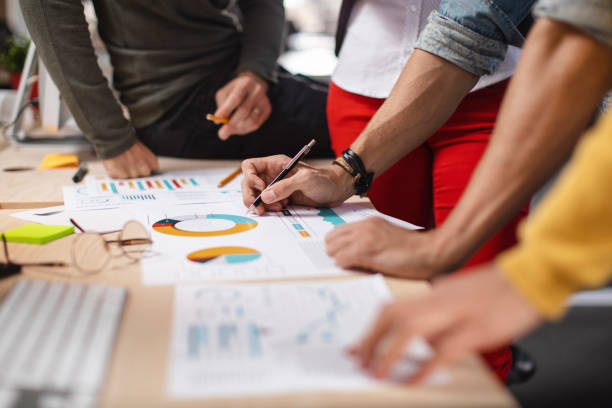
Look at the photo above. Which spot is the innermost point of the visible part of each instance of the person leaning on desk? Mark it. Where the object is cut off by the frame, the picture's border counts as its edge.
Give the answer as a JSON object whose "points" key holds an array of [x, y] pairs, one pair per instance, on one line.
{"points": [[424, 185], [174, 62], [532, 139], [565, 247]]}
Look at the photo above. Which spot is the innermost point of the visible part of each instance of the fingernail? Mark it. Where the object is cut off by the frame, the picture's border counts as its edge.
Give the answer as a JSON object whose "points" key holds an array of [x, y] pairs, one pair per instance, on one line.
{"points": [[268, 196]]}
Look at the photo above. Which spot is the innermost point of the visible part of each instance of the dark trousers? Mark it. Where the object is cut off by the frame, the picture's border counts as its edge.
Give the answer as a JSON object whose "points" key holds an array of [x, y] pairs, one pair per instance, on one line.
{"points": [[298, 115]]}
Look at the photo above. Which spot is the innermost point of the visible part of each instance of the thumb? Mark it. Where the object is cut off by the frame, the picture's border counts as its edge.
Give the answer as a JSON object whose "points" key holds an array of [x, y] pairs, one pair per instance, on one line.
{"points": [[279, 191]]}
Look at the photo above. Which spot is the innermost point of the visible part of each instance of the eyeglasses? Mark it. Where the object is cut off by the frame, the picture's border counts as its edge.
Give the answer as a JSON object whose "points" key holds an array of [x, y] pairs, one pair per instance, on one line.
{"points": [[91, 252]]}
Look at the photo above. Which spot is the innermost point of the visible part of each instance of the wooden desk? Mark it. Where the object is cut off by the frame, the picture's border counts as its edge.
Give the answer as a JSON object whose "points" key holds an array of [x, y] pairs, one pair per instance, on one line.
{"points": [[138, 370]]}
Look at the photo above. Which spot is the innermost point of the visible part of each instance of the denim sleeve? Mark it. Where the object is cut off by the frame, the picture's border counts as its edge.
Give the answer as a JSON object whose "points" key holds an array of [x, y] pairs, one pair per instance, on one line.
{"points": [[594, 17], [475, 34]]}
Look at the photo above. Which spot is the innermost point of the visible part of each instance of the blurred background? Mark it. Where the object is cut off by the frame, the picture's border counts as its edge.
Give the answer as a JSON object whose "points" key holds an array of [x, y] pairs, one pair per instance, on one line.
{"points": [[308, 50]]}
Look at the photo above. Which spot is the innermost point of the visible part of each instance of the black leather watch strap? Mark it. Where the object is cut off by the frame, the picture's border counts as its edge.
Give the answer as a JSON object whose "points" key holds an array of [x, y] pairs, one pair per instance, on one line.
{"points": [[363, 182]]}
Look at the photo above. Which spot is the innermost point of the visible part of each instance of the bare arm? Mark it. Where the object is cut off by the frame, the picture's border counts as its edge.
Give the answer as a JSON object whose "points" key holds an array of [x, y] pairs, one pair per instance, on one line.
{"points": [[562, 76], [426, 94]]}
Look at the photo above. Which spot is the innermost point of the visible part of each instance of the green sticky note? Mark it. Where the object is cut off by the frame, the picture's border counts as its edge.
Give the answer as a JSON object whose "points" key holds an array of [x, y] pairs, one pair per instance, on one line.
{"points": [[38, 234]]}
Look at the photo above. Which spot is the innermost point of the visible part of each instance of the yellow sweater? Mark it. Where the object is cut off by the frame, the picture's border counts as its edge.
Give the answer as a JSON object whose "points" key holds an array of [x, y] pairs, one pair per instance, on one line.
{"points": [[567, 244]]}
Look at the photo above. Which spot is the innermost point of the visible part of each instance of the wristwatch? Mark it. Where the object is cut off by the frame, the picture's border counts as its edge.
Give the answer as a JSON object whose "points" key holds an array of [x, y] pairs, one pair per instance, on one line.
{"points": [[352, 164]]}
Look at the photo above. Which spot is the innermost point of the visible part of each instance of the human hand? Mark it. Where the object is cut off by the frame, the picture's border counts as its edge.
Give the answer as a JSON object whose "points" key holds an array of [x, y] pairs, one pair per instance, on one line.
{"points": [[137, 161], [378, 245], [306, 185], [475, 312], [245, 102]]}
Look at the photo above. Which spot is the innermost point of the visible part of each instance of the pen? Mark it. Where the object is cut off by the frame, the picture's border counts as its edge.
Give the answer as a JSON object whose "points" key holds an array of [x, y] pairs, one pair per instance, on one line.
{"points": [[214, 118], [80, 173], [299, 156], [229, 177]]}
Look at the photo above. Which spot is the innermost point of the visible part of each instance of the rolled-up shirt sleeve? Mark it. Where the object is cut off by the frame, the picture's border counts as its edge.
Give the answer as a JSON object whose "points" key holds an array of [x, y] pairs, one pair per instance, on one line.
{"points": [[474, 34], [593, 17]]}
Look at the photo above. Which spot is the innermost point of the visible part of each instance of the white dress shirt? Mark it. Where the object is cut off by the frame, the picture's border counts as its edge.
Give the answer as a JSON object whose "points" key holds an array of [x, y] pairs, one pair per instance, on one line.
{"points": [[380, 38]]}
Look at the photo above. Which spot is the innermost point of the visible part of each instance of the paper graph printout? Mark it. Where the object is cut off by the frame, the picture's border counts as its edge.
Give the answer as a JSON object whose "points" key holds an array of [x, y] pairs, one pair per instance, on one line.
{"points": [[233, 340], [169, 225], [178, 181], [102, 192], [218, 242], [229, 255], [195, 243]]}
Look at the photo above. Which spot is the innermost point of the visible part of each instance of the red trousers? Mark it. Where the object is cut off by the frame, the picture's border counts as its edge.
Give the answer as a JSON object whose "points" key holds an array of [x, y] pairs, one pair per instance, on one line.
{"points": [[425, 185]]}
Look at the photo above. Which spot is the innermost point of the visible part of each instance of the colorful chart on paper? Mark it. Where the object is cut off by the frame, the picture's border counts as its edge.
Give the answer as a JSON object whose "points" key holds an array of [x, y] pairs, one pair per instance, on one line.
{"points": [[229, 255], [209, 225], [146, 185]]}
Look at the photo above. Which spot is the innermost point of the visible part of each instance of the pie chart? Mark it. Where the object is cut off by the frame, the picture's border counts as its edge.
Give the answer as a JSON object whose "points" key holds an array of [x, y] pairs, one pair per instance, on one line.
{"points": [[209, 225], [229, 255]]}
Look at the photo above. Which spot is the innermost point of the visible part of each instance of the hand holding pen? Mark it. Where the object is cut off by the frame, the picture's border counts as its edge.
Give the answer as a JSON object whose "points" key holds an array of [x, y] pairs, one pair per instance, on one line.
{"points": [[242, 105], [286, 169], [300, 184]]}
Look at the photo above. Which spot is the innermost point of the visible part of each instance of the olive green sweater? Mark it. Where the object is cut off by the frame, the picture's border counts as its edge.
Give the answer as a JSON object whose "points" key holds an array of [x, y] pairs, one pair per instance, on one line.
{"points": [[159, 49]]}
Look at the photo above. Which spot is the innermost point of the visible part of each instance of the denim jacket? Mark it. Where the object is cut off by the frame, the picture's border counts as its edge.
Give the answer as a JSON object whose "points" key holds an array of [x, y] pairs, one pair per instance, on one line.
{"points": [[593, 17], [475, 34]]}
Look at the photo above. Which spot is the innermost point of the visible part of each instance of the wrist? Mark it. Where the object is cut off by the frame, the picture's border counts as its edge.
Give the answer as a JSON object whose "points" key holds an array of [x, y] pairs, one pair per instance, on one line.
{"points": [[445, 254], [257, 78], [350, 162], [343, 180]]}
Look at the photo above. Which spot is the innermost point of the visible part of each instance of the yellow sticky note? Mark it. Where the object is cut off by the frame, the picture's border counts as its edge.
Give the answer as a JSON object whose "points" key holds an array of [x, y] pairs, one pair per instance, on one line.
{"points": [[56, 160], [37, 233]]}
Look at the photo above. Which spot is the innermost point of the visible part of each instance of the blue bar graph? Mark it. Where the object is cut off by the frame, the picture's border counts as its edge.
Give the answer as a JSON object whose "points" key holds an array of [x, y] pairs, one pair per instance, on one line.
{"points": [[138, 197], [254, 340], [197, 337], [226, 332]]}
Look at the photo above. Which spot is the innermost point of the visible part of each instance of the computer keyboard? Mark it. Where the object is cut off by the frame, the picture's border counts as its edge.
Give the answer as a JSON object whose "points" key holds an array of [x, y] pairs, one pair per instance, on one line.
{"points": [[55, 342]]}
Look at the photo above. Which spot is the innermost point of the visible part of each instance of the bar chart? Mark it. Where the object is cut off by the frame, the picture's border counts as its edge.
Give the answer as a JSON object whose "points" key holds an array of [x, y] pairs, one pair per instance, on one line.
{"points": [[145, 185]]}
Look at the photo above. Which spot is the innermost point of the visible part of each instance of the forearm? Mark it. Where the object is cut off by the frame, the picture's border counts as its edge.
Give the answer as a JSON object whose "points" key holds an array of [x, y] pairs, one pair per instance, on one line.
{"points": [[424, 97], [264, 22], [60, 33], [567, 245], [561, 78]]}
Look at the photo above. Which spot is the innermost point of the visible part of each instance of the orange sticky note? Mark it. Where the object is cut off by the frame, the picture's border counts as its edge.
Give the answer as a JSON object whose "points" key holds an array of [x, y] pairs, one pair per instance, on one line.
{"points": [[56, 160]]}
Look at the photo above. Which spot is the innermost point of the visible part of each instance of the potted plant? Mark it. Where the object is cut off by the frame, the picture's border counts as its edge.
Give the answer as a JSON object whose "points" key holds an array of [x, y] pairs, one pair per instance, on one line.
{"points": [[13, 57]]}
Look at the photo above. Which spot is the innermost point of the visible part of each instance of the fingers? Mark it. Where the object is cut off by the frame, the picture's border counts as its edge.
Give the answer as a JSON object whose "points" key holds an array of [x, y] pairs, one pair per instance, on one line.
{"points": [[244, 100], [249, 115], [138, 161], [346, 252], [352, 245], [257, 173], [366, 348], [389, 356], [229, 98], [151, 159], [451, 346], [281, 190]]}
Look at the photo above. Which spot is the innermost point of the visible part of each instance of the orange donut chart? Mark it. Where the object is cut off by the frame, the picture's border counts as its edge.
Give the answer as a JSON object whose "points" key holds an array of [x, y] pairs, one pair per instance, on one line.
{"points": [[231, 255], [241, 224]]}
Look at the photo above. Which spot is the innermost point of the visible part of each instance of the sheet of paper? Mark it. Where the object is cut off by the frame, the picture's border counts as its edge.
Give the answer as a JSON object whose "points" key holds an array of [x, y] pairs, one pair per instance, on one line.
{"points": [[218, 242], [79, 198], [233, 340], [93, 220], [184, 187], [195, 186], [355, 212], [176, 181]]}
